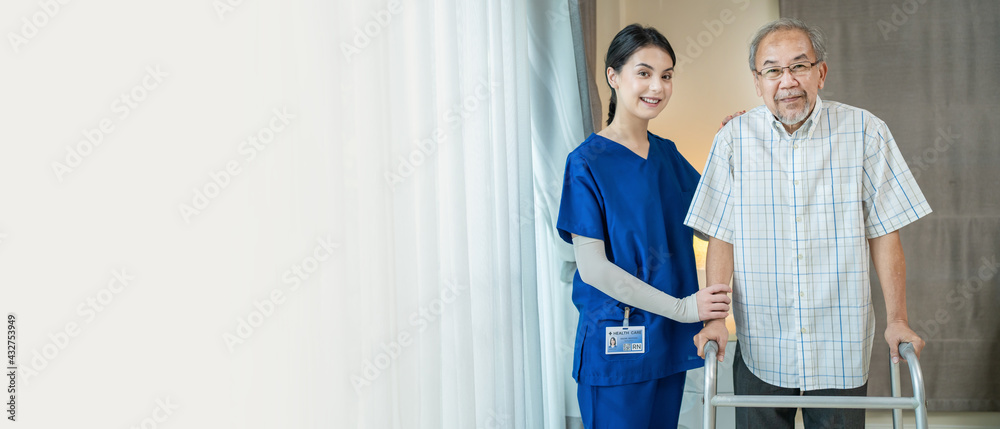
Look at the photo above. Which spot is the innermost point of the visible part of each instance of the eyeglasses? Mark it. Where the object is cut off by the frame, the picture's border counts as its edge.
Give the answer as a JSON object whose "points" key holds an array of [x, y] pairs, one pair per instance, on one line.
{"points": [[797, 69]]}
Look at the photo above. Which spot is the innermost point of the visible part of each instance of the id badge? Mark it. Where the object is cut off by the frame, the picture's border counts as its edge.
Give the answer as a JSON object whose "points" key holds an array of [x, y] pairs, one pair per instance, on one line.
{"points": [[625, 340]]}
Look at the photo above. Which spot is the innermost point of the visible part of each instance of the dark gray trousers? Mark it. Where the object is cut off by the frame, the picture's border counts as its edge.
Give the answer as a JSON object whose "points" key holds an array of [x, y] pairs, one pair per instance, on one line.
{"points": [[746, 383]]}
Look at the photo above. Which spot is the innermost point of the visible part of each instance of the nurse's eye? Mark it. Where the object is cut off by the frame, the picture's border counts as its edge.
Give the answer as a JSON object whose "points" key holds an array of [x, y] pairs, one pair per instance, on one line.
{"points": [[643, 74], [668, 77]]}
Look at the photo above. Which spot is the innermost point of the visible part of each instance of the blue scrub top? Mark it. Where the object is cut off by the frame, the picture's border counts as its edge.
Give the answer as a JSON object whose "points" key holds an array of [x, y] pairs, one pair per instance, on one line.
{"points": [[637, 206]]}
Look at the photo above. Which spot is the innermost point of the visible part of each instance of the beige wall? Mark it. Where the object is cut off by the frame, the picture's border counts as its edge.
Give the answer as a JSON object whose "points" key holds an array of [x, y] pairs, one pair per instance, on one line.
{"points": [[710, 39]]}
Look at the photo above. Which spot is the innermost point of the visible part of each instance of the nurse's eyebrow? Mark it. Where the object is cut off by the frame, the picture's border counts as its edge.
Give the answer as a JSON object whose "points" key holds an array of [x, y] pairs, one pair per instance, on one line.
{"points": [[651, 67]]}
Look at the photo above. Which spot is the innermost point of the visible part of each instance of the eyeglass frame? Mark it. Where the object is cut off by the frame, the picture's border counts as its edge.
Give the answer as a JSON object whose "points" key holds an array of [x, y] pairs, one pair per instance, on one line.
{"points": [[789, 67]]}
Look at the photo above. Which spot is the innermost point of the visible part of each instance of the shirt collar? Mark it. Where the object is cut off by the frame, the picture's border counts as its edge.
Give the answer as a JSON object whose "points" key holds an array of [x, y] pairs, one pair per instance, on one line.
{"points": [[808, 127]]}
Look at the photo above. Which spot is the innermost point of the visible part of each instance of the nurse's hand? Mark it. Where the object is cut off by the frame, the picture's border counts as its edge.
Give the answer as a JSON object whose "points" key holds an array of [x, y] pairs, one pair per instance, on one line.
{"points": [[713, 330], [713, 303], [730, 118]]}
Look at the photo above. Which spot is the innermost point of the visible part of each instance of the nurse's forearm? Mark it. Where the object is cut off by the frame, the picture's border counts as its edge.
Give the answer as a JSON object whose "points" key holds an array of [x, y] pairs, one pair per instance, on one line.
{"points": [[718, 262], [597, 271]]}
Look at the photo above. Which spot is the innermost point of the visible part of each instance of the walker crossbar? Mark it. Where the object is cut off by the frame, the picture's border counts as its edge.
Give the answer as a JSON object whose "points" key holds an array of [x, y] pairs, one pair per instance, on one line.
{"points": [[895, 402]]}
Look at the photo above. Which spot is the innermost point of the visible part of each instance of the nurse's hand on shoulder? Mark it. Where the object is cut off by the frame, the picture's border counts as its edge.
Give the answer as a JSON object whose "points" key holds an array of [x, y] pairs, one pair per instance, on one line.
{"points": [[730, 118], [714, 330], [713, 303]]}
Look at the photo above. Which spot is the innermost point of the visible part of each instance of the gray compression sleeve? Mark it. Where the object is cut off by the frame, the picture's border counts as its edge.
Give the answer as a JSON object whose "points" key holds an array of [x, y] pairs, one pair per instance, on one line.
{"points": [[597, 271]]}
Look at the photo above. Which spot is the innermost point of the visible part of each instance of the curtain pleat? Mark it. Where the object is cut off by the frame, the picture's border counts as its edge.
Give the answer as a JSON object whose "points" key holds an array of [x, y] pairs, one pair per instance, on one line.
{"points": [[562, 115], [437, 210]]}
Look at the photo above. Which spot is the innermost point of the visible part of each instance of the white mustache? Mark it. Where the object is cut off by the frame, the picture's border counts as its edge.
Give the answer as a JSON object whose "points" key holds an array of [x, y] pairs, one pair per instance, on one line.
{"points": [[788, 94]]}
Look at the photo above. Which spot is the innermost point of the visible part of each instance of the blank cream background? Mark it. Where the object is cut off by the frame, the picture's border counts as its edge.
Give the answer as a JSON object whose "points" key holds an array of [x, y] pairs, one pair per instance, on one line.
{"points": [[161, 337]]}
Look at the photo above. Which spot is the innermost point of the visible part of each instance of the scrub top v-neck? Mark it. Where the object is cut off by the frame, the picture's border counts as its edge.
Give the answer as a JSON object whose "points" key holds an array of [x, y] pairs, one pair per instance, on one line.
{"points": [[637, 206]]}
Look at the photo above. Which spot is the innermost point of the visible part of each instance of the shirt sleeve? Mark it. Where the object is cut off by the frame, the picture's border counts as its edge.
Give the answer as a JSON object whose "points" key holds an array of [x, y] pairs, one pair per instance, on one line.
{"points": [[891, 198], [711, 207], [581, 211]]}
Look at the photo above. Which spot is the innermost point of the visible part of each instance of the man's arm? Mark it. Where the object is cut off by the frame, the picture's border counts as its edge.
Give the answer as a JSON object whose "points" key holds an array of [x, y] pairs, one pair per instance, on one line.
{"points": [[890, 264], [718, 270]]}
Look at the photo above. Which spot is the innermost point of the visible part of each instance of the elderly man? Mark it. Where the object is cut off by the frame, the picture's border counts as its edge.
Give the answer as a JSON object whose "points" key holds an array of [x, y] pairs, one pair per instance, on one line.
{"points": [[793, 196]]}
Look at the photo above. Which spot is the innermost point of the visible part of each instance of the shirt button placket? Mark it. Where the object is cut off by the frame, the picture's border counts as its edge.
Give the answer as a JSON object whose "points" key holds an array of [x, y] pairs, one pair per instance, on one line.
{"points": [[798, 261]]}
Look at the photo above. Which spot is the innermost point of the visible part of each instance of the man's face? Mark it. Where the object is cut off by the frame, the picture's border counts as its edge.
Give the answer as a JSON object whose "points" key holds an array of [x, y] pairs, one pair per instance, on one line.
{"points": [[790, 98]]}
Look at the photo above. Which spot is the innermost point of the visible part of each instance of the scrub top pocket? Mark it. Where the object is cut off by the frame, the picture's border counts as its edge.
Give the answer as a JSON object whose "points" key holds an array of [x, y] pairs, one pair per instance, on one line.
{"points": [[614, 318]]}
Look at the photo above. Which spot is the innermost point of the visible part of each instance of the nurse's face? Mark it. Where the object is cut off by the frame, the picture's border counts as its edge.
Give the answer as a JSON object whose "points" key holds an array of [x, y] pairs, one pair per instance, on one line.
{"points": [[644, 84]]}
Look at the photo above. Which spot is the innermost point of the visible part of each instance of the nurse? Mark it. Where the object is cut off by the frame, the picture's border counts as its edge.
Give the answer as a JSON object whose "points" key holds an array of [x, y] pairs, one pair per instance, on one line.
{"points": [[625, 194]]}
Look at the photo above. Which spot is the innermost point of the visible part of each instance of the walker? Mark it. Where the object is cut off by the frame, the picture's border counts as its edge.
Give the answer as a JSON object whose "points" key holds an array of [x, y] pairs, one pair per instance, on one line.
{"points": [[896, 403]]}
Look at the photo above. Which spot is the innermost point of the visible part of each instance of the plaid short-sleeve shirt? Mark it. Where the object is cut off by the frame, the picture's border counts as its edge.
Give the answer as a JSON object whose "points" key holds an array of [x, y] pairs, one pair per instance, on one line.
{"points": [[798, 210]]}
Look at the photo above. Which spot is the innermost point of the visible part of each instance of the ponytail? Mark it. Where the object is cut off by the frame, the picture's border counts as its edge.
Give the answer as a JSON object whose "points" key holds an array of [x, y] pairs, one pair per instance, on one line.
{"points": [[611, 106]]}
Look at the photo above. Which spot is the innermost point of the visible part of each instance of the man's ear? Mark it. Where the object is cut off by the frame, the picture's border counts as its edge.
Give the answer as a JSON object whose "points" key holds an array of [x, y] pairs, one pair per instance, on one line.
{"points": [[756, 83], [822, 73]]}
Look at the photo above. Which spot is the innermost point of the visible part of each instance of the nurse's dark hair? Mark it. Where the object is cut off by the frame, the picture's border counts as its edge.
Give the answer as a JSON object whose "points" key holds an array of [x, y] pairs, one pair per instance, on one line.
{"points": [[625, 43]]}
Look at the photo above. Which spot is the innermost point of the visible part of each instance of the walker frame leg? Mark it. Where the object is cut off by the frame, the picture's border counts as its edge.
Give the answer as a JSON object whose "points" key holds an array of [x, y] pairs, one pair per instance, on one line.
{"points": [[711, 365], [917, 402]]}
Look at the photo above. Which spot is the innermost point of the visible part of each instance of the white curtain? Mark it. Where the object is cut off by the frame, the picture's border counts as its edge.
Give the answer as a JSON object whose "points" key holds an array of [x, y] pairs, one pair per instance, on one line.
{"points": [[561, 119], [371, 265], [470, 199], [437, 177]]}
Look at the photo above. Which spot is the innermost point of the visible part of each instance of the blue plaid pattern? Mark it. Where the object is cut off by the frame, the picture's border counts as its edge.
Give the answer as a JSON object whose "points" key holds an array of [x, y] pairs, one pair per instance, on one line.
{"points": [[798, 210]]}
